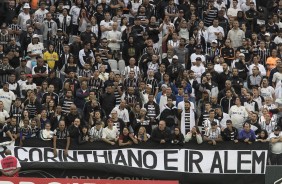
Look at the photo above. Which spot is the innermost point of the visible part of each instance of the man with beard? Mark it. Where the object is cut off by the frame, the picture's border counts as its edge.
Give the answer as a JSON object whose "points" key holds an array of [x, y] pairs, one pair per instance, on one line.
{"points": [[169, 114], [108, 100], [182, 53], [174, 68], [130, 50]]}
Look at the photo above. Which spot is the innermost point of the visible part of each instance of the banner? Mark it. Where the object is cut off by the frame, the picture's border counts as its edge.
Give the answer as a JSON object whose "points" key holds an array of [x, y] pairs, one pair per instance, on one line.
{"points": [[76, 181], [176, 160]]}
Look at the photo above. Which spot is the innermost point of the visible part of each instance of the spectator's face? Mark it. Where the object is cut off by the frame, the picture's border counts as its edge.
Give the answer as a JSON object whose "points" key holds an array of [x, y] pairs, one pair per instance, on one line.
{"points": [[13, 121], [76, 122], [215, 23], [1, 105], [247, 127], [229, 125], [62, 125], [162, 125]]}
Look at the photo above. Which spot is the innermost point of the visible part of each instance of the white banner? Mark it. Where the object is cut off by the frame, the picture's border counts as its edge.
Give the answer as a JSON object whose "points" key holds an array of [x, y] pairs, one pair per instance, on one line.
{"points": [[177, 160]]}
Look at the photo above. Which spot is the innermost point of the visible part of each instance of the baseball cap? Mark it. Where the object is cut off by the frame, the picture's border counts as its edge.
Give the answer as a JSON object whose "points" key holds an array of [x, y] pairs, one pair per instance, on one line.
{"points": [[88, 25], [149, 85], [26, 5], [164, 86], [242, 54], [198, 47], [28, 75], [113, 111], [266, 34], [35, 36], [198, 59], [277, 128], [213, 123], [175, 57], [59, 29], [214, 41]]}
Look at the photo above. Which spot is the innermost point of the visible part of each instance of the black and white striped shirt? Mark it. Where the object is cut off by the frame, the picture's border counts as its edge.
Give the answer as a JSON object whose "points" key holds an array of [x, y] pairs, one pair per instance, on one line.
{"points": [[264, 54], [16, 112], [15, 27], [66, 103]]}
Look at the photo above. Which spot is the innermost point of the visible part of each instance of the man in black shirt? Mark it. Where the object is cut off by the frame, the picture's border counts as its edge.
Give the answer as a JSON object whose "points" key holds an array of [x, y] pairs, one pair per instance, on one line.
{"points": [[230, 133], [39, 72], [161, 134], [11, 129], [61, 133]]}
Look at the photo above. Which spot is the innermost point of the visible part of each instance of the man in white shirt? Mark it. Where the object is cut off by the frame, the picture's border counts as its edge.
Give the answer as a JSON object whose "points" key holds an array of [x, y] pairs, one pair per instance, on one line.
{"points": [[114, 38], [236, 35], [278, 38], [198, 69], [257, 64], [214, 30], [238, 114], [232, 11], [24, 16], [40, 14], [276, 146], [106, 25], [7, 96], [110, 133], [122, 112]]}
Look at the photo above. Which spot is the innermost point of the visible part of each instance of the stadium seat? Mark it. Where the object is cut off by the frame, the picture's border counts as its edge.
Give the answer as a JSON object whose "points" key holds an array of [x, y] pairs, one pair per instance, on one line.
{"points": [[121, 66], [114, 65]]}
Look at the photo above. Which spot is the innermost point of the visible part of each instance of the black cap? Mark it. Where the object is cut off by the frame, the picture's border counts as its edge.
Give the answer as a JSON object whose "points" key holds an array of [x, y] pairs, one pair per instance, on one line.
{"points": [[198, 47], [213, 123], [198, 59], [277, 128], [137, 18]]}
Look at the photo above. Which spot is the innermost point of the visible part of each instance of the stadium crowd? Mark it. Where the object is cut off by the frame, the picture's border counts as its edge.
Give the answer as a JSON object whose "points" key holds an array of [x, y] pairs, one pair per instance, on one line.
{"points": [[125, 72]]}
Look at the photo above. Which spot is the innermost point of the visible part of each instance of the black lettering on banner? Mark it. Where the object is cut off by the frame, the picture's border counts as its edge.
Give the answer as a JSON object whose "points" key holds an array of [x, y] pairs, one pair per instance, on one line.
{"points": [[195, 161], [110, 157], [73, 158], [31, 154], [84, 153], [120, 158], [186, 161], [216, 163], [226, 164], [105, 156], [153, 161], [16, 150], [258, 159], [46, 157], [60, 155], [240, 161], [137, 158], [167, 160]]}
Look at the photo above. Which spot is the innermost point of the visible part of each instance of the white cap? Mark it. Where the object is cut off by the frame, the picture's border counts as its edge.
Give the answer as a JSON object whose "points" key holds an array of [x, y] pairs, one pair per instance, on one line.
{"points": [[26, 5], [241, 54], [214, 41], [149, 85], [175, 57], [35, 36], [266, 34]]}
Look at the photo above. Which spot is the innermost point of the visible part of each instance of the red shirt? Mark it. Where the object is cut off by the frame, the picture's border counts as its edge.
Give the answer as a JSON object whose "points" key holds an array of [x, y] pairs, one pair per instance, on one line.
{"points": [[10, 163]]}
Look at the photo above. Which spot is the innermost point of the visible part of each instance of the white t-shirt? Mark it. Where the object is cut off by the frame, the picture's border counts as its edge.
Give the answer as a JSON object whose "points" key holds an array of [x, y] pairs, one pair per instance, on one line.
{"points": [[110, 134], [40, 15], [276, 148], [7, 98], [211, 32], [3, 116], [267, 92], [107, 25], [35, 49], [198, 70], [238, 115], [277, 77]]}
